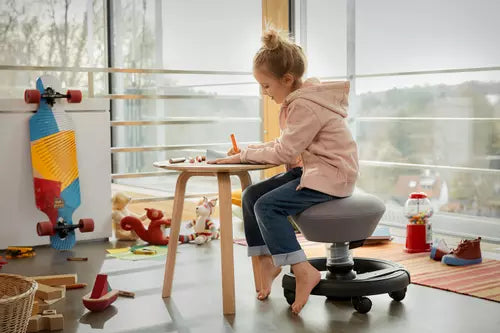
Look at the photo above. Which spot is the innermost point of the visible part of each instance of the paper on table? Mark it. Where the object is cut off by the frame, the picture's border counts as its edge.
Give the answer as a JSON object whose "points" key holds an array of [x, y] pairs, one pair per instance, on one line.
{"points": [[162, 163], [213, 154]]}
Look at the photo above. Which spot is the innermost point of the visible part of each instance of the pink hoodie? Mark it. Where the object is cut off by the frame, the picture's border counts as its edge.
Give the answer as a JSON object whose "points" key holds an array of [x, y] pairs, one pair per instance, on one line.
{"points": [[313, 130]]}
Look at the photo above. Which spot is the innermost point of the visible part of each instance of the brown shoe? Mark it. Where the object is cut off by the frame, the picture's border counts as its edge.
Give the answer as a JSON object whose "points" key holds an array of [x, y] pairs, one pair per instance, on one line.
{"points": [[468, 252]]}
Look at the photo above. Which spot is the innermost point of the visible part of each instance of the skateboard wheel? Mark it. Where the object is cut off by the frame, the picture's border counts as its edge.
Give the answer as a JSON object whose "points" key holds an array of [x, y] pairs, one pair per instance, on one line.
{"points": [[74, 96], [44, 229], [86, 225], [32, 96]]}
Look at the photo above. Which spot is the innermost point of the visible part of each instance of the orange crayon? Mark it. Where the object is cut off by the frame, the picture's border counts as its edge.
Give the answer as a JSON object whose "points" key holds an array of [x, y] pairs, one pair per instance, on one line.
{"points": [[235, 146], [76, 286]]}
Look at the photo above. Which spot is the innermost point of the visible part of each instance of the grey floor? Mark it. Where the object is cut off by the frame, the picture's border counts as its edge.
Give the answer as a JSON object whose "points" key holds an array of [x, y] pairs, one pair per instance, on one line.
{"points": [[196, 304]]}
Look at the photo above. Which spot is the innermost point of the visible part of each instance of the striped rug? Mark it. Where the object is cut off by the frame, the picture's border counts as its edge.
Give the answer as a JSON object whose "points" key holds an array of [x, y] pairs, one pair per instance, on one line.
{"points": [[481, 280]]}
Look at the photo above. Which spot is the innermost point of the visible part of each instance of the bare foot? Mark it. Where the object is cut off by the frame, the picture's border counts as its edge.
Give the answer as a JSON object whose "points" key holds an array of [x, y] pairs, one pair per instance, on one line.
{"points": [[268, 272], [306, 278]]}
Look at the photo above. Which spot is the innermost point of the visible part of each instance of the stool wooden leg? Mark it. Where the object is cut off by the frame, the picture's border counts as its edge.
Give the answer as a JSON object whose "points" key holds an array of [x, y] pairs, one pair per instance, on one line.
{"points": [[180, 189], [245, 179], [245, 182], [226, 239]]}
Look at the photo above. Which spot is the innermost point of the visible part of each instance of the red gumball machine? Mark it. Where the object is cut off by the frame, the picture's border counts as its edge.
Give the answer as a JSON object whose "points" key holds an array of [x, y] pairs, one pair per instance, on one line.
{"points": [[418, 210]]}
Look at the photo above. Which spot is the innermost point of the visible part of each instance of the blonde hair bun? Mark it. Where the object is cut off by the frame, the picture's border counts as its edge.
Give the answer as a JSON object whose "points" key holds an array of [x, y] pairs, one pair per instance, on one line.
{"points": [[271, 39], [279, 56]]}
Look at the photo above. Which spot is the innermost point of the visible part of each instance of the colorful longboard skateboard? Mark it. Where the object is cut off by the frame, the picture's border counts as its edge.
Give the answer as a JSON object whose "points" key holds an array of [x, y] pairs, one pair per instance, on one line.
{"points": [[55, 167]]}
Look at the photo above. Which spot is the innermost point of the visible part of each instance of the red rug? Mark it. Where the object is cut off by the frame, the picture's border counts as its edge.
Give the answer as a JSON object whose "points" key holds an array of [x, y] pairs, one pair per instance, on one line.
{"points": [[481, 280]]}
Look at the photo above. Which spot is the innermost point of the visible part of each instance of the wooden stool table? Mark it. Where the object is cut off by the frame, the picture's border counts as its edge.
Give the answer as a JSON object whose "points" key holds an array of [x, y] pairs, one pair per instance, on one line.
{"points": [[222, 172]]}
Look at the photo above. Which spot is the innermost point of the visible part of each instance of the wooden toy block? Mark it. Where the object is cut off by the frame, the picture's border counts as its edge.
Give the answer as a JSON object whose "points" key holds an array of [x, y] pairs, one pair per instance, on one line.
{"points": [[35, 308], [52, 301], [55, 300], [63, 290], [56, 322], [46, 305], [53, 322], [42, 305], [34, 324], [48, 293], [56, 280], [49, 312], [100, 286]]}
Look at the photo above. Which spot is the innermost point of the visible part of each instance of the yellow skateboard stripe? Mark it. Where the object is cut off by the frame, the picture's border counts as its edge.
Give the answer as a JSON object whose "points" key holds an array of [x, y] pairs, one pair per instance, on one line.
{"points": [[54, 157]]}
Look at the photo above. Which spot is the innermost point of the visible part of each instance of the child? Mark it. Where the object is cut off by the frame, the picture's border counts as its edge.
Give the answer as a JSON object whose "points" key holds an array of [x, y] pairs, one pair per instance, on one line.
{"points": [[318, 150]]}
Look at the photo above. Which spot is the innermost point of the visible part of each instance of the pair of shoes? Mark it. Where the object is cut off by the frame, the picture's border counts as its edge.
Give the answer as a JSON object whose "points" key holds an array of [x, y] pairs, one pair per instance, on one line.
{"points": [[468, 252]]}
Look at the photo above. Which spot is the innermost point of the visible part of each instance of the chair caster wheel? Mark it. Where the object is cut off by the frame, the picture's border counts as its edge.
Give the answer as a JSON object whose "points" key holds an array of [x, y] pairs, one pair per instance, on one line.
{"points": [[398, 295], [289, 295], [361, 304]]}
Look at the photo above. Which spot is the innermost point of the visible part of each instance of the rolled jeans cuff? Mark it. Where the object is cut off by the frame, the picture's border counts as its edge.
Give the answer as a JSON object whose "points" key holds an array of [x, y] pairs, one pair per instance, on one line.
{"points": [[289, 258], [258, 251]]}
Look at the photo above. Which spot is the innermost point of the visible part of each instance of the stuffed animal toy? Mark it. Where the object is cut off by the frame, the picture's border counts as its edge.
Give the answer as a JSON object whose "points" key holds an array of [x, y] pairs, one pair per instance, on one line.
{"points": [[154, 234], [119, 203], [204, 227]]}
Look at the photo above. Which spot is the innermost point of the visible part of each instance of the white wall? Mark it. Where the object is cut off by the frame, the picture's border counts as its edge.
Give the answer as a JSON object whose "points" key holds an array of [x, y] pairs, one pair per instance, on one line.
{"points": [[18, 213]]}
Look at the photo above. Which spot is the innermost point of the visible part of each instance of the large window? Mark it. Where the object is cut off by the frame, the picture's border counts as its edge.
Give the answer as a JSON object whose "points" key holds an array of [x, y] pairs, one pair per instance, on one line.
{"points": [[213, 42], [425, 106], [61, 33], [180, 80]]}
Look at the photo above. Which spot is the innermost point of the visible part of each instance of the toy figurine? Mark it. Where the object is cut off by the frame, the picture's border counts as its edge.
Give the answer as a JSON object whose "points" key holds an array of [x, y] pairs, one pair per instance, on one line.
{"points": [[154, 234], [119, 202], [204, 228], [2, 262]]}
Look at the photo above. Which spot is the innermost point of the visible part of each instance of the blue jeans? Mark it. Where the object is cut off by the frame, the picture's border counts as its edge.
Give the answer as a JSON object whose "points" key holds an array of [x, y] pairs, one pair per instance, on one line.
{"points": [[266, 207]]}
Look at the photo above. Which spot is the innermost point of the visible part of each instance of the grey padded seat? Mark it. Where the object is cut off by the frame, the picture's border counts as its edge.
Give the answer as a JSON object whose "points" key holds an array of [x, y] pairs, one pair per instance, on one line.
{"points": [[341, 220]]}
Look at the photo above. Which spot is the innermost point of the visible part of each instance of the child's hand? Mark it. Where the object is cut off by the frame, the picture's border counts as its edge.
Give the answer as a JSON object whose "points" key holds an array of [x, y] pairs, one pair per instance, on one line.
{"points": [[233, 159], [232, 152]]}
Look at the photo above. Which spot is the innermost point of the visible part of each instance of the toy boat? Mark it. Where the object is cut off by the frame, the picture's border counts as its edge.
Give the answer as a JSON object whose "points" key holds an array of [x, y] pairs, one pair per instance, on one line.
{"points": [[2, 262], [101, 295]]}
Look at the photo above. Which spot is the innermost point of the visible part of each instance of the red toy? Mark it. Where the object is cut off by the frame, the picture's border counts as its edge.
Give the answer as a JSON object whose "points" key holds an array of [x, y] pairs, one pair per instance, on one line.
{"points": [[2, 262], [101, 296], [154, 234]]}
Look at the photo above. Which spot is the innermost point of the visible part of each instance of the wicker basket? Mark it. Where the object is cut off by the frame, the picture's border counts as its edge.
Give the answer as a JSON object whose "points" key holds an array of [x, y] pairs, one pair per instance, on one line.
{"points": [[16, 302]]}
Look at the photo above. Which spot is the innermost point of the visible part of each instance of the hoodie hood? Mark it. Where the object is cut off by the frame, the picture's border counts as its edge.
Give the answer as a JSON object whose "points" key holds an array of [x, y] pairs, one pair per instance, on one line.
{"points": [[330, 95]]}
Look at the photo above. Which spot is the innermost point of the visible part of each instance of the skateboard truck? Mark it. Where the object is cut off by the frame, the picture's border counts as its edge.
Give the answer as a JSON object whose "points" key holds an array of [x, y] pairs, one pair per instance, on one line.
{"points": [[62, 229], [50, 95]]}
